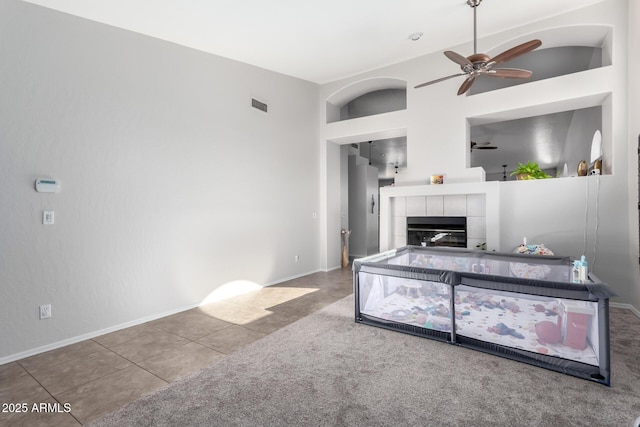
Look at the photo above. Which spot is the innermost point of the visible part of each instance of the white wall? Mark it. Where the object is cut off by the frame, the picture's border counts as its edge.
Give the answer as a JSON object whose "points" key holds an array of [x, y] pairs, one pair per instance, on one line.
{"points": [[632, 154], [172, 185], [552, 212], [564, 214]]}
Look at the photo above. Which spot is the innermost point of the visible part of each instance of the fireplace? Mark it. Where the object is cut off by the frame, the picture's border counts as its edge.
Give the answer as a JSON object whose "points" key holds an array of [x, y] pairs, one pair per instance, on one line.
{"points": [[437, 231]]}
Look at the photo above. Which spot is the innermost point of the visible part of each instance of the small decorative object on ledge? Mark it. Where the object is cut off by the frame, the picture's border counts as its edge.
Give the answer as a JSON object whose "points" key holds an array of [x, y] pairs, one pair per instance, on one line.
{"points": [[583, 168], [437, 179], [597, 166], [596, 153], [345, 254], [530, 170]]}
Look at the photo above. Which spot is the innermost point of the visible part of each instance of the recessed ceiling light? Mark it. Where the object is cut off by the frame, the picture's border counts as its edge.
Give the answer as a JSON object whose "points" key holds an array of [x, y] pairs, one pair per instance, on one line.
{"points": [[415, 36]]}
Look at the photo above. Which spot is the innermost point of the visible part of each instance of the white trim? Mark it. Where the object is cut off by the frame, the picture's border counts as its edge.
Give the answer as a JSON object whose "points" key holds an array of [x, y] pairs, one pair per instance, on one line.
{"points": [[492, 206], [625, 307], [286, 279]]}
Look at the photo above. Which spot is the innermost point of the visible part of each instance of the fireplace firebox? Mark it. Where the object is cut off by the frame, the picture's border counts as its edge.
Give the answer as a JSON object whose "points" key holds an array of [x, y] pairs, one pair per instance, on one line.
{"points": [[437, 231]]}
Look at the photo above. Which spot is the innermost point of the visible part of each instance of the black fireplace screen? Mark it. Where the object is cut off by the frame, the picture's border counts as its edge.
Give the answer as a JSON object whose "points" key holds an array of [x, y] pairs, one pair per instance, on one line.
{"points": [[437, 231]]}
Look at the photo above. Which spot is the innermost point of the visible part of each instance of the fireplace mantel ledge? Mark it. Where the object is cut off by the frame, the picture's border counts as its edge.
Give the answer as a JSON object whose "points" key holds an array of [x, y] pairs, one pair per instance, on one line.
{"points": [[490, 189]]}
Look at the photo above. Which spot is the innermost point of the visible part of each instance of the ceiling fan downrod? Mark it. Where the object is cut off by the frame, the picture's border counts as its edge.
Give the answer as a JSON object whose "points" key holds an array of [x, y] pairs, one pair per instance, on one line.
{"points": [[474, 4]]}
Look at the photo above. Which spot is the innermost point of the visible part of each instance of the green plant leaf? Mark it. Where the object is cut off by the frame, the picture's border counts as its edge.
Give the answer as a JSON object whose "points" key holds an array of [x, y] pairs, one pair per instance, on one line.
{"points": [[531, 170]]}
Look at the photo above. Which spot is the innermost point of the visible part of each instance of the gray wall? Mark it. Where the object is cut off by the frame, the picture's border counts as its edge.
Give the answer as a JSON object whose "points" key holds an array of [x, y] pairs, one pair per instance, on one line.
{"points": [[172, 185], [377, 102], [633, 136], [363, 184], [545, 63], [577, 147]]}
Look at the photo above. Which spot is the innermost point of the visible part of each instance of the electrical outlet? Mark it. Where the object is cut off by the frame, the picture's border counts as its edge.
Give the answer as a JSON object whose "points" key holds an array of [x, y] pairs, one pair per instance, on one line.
{"points": [[296, 258], [45, 311]]}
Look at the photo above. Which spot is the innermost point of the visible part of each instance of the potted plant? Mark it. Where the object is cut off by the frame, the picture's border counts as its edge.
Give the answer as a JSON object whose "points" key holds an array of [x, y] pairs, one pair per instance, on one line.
{"points": [[530, 170]]}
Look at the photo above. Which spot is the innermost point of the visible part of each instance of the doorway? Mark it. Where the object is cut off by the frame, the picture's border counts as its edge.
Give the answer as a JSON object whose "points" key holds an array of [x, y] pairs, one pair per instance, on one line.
{"points": [[370, 165]]}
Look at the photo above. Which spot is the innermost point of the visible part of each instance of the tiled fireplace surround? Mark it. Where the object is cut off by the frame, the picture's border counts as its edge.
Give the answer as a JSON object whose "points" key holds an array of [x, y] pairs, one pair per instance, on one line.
{"points": [[477, 201]]}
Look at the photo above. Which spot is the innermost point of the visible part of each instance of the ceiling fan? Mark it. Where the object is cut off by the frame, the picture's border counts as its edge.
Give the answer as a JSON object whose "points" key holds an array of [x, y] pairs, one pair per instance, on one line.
{"points": [[482, 146], [480, 64]]}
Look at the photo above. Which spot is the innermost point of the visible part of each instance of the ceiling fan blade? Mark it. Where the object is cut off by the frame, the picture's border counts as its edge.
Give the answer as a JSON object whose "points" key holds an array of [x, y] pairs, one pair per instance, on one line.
{"points": [[482, 146], [439, 80], [467, 84], [457, 58], [509, 73], [516, 51]]}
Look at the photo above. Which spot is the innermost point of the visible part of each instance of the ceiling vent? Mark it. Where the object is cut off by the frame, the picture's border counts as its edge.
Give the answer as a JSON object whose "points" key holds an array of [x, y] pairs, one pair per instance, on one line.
{"points": [[258, 105]]}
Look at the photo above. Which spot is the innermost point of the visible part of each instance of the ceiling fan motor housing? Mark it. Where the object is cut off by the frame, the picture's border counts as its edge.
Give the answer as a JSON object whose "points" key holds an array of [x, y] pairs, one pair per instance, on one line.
{"points": [[479, 60]]}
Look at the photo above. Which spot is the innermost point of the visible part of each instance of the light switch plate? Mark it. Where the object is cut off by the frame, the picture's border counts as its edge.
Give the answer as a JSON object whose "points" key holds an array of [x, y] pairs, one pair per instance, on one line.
{"points": [[47, 217]]}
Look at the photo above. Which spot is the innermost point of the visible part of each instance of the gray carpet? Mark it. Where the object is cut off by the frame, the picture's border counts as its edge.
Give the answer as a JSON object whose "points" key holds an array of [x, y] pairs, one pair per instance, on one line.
{"points": [[326, 370]]}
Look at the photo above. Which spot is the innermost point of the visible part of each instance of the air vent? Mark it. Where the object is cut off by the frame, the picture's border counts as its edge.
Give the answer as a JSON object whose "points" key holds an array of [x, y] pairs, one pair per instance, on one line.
{"points": [[258, 105]]}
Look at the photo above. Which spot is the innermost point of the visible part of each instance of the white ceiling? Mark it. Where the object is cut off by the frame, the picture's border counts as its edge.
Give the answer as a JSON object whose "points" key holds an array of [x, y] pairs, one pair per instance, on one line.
{"points": [[318, 41]]}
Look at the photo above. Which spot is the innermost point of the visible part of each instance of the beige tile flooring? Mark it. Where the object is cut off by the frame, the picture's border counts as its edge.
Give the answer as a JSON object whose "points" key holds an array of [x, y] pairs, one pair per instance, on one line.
{"points": [[97, 376]]}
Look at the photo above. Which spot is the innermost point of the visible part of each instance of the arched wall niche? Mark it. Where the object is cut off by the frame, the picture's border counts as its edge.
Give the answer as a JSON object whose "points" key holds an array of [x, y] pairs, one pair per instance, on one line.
{"points": [[367, 91], [564, 50]]}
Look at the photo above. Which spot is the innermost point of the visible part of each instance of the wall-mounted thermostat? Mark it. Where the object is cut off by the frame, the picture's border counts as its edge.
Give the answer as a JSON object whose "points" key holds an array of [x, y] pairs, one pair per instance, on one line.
{"points": [[45, 185]]}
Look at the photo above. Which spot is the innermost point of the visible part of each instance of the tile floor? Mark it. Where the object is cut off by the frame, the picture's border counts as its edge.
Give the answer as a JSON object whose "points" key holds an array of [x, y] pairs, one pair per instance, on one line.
{"points": [[97, 376]]}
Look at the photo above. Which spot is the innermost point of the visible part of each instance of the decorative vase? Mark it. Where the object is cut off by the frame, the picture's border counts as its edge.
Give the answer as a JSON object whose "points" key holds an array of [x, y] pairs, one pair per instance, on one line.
{"points": [[598, 165], [345, 256], [345, 253], [583, 168]]}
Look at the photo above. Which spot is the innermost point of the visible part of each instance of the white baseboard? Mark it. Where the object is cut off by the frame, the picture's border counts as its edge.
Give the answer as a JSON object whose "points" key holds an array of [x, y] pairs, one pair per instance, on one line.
{"points": [[90, 335], [286, 279], [626, 307]]}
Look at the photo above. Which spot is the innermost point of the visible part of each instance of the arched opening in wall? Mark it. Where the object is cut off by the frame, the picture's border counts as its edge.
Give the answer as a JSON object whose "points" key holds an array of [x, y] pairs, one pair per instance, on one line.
{"points": [[366, 98], [564, 51], [558, 141], [377, 102]]}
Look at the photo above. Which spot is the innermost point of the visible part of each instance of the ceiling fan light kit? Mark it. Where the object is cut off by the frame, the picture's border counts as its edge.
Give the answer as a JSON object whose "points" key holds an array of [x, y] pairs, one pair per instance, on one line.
{"points": [[480, 64]]}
